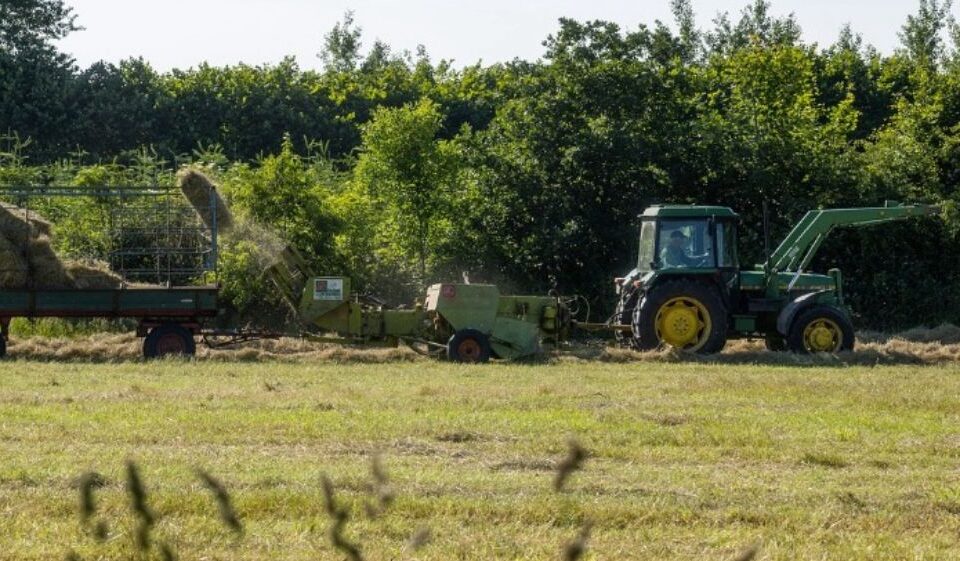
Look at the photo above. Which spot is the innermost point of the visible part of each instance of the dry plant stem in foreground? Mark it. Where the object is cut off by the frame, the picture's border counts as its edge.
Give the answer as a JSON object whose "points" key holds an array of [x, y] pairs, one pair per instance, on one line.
{"points": [[577, 547], [380, 489], [571, 463], [339, 515], [227, 514], [138, 502]]}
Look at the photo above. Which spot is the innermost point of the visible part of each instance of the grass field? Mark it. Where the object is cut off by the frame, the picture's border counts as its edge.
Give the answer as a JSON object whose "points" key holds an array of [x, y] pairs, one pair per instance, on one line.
{"points": [[687, 461]]}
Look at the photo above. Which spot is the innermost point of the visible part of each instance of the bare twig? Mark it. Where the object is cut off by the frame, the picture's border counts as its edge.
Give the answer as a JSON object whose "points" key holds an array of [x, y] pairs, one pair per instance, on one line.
{"points": [[383, 493], [227, 513], [575, 549], [749, 554], [571, 463], [138, 501], [339, 516], [88, 482], [167, 553]]}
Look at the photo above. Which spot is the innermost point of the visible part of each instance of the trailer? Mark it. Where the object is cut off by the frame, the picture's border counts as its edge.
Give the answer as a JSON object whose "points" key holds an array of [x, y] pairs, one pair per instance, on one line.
{"points": [[164, 253]]}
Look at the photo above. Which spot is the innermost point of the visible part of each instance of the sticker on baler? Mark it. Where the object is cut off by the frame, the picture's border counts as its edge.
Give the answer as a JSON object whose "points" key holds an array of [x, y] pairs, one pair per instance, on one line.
{"points": [[448, 291], [328, 289]]}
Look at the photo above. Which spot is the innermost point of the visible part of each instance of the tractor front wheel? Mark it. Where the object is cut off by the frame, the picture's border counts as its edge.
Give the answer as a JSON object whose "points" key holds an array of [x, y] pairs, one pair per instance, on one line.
{"points": [[821, 329], [169, 339], [683, 314], [468, 345]]}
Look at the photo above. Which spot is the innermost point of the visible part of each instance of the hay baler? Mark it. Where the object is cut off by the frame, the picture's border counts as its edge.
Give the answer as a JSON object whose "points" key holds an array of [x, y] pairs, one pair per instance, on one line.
{"points": [[464, 322]]}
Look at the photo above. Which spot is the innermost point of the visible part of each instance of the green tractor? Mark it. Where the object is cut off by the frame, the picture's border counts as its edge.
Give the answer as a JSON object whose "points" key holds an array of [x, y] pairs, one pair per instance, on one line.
{"points": [[689, 291]]}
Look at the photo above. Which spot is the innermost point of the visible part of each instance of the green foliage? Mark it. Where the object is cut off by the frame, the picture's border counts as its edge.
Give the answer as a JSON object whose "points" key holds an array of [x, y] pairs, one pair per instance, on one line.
{"points": [[341, 47], [30, 24], [922, 33], [242, 282], [410, 174], [399, 171]]}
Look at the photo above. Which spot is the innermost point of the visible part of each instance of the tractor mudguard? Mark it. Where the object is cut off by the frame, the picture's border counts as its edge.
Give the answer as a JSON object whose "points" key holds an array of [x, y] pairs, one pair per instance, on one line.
{"points": [[790, 311]]}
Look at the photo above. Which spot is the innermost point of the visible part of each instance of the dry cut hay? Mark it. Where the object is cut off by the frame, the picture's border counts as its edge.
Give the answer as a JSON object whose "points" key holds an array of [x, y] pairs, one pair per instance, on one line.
{"points": [[45, 268], [945, 333], [929, 346], [124, 347], [91, 274], [13, 266], [201, 192]]}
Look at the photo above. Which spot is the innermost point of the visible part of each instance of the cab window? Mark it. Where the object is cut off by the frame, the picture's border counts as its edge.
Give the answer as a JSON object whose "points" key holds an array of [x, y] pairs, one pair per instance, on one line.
{"points": [[685, 244]]}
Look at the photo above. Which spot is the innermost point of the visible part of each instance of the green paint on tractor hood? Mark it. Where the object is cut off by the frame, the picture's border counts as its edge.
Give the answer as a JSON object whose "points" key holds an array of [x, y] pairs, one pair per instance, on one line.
{"points": [[688, 211]]}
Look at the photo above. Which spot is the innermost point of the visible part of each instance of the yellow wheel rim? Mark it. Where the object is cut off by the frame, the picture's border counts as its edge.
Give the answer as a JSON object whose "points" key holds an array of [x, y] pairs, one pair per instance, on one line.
{"points": [[822, 335], [684, 323]]}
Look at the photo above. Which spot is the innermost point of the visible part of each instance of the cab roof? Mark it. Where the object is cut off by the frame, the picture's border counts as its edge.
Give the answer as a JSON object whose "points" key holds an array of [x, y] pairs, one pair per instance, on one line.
{"points": [[688, 211]]}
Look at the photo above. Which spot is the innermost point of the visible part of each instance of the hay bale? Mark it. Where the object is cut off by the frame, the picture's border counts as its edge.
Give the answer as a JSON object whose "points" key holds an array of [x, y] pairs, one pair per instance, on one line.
{"points": [[13, 266], [200, 191], [46, 269], [41, 226], [90, 274], [19, 226]]}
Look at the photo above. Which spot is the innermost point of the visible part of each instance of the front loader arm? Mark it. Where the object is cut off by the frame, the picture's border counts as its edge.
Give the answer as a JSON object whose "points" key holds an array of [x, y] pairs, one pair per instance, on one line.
{"points": [[802, 242]]}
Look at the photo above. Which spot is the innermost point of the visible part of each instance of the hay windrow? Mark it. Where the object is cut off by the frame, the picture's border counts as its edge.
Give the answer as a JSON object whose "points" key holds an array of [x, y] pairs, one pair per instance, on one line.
{"points": [[871, 349], [202, 194], [113, 347], [127, 347]]}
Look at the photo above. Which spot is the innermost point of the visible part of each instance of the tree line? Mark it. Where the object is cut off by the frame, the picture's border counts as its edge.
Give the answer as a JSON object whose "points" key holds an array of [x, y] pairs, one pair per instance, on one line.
{"points": [[399, 170]]}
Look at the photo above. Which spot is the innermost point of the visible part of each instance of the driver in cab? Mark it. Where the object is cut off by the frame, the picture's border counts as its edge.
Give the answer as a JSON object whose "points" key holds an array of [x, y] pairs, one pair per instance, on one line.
{"points": [[674, 253]]}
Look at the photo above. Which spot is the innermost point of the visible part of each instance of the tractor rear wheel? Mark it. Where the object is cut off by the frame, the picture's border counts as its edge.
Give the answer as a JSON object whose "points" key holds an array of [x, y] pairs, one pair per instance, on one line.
{"points": [[169, 339], [683, 314], [468, 345], [821, 329]]}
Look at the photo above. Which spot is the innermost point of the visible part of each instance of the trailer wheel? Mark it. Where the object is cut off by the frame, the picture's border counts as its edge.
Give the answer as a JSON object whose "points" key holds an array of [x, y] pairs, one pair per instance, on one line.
{"points": [[169, 339], [821, 329], [468, 345], [683, 314]]}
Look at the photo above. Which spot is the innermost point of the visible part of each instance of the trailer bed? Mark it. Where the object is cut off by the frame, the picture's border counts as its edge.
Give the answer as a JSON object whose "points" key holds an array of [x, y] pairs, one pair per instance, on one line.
{"points": [[179, 302], [168, 318]]}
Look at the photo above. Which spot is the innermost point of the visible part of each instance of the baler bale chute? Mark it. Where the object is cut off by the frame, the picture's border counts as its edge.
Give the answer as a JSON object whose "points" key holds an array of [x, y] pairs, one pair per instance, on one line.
{"points": [[464, 322]]}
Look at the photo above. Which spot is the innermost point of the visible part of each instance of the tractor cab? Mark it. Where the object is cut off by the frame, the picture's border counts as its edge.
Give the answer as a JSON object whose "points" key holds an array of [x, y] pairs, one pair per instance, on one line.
{"points": [[687, 237]]}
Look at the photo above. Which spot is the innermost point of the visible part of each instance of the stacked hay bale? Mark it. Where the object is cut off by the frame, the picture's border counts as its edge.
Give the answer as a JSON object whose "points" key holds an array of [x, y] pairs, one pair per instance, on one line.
{"points": [[13, 265], [27, 259]]}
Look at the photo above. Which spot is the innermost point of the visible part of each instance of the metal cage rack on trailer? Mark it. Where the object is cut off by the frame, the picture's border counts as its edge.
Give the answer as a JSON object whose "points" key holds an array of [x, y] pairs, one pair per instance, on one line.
{"points": [[148, 235], [157, 246]]}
